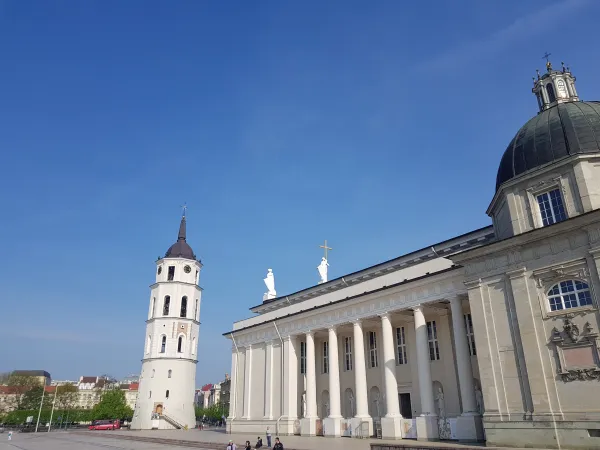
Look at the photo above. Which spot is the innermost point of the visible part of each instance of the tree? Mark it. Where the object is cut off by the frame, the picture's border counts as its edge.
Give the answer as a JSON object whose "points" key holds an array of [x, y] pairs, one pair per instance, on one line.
{"points": [[112, 405], [66, 396], [28, 391]]}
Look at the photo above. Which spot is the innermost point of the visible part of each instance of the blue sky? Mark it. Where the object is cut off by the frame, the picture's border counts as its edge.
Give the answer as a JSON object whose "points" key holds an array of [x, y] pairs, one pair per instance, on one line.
{"points": [[378, 126]]}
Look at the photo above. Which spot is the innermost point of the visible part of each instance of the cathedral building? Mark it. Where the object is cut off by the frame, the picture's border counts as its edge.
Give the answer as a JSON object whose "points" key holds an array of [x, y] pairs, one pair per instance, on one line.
{"points": [[491, 335], [168, 379]]}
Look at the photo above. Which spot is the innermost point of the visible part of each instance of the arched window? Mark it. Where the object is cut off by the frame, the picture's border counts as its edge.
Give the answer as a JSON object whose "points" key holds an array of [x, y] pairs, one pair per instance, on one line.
{"points": [[152, 307], [150, 394], [180, 344], [163, 344], [149, 345], [551, 94], [183, 312], [569, 294], [166, 305], [169, 373], [167, 394], [196, 311]]}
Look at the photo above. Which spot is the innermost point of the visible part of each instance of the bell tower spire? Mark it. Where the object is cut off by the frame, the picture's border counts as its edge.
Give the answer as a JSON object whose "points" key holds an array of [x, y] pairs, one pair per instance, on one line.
{"points": [[554, 86]]}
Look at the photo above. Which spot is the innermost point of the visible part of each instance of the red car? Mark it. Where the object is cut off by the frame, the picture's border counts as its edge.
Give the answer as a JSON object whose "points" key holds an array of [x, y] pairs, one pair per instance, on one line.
{"points": [[105, 425]]}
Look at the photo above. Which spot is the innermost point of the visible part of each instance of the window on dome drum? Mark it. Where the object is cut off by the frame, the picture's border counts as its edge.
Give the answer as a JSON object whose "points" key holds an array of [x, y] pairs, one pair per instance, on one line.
{"points": [[551, 94], [569, 294], [183, 312], [167, 394], [169, 373], [470, 334], [551, 206], [372, 349], [348, 353], [401, 346], [180, 344], [434, 349], [325, 357], [302, 357], [163, 344], [167, 305], [171, 275]]}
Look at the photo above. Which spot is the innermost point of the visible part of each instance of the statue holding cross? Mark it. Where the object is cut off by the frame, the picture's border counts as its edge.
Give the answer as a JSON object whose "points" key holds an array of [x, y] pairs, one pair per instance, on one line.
{"points": [[322, 268]]}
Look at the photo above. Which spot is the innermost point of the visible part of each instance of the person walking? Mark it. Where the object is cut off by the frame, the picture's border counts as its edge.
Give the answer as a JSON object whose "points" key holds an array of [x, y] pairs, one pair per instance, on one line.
{"points": [[268, 437], [248, 446], [278, 444], [231, 446]]}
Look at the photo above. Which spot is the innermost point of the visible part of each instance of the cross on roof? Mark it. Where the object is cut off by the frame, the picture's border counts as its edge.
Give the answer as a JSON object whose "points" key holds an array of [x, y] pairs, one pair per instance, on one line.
{"points": [[184, 206], [546, 56], [324, 247]]}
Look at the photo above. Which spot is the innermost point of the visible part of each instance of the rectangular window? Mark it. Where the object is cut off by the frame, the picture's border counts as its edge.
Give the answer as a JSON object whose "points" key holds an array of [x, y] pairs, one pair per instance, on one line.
{"points": [[470, 334], [434, 349], [171, 273], [325, 357], [348, 353], [401, 346], [372, 349], [302, 357], [551, 206]]}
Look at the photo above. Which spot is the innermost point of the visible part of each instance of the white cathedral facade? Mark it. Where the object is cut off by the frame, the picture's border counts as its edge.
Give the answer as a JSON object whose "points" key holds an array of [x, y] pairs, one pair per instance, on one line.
{"points": [[491, 335], [168, 379]]}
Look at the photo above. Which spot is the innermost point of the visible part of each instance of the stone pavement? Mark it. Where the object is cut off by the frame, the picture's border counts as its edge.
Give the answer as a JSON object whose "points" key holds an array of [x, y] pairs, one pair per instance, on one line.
{"points": [[217, 440]]}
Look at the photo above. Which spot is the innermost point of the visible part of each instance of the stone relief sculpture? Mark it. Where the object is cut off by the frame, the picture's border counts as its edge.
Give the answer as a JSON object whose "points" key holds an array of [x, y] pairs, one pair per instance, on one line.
{"points": [[304, 404], [270, 283], [441, 406], [351, 398], [322, 268]]}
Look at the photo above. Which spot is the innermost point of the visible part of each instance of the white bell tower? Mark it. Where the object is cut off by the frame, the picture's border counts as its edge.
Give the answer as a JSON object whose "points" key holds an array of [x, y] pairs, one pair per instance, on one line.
{"points": [[168, 379]]}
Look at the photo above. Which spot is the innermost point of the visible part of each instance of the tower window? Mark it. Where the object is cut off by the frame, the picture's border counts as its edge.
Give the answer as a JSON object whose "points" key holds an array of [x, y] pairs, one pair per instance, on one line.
{"points": [[150, 394], [551, 94], [197, 277], [196, 311], [569, 294], [180, 344], [171, 275], [153, 371], [167, 394], [152, 307], [183, 312], [169, 373], [167, 305], [163, 344], [551, 206], [149, 346]]}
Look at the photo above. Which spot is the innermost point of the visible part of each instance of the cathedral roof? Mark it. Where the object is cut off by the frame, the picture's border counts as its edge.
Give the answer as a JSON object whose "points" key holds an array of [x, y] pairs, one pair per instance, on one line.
{"points": [[562, 130], [181, 249]]}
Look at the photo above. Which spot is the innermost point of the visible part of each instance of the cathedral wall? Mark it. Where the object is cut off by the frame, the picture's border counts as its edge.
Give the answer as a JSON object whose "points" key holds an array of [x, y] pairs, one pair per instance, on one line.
{"points": [[586, 176], [277, 401], [257, 403], [524, 368], [239, 385]]}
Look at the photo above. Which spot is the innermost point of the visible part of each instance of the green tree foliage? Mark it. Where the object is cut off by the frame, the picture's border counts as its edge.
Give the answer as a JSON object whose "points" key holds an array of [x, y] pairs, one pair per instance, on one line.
{"points": [[214, 412], [60, 416], [28, 391], [112, 405], [66, 396]]}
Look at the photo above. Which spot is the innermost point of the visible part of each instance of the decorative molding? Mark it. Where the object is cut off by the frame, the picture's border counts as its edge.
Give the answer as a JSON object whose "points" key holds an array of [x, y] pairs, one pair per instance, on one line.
{"points": [[553, 274], [571, 339]]}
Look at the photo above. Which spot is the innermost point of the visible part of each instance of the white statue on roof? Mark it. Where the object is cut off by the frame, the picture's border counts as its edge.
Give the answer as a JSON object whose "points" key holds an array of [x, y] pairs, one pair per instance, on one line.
{"points": [[322, 268], [270, 282]]}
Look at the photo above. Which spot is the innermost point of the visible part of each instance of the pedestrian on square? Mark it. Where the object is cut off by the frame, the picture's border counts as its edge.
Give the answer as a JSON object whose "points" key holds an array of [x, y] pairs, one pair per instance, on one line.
{"points": [[258, 442], [231, 446], [268, 437], [278, 444], [248, 446]]}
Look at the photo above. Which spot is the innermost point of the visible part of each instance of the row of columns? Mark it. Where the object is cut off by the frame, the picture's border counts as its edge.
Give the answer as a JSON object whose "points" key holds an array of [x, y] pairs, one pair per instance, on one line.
{"points": [[427, 427]]}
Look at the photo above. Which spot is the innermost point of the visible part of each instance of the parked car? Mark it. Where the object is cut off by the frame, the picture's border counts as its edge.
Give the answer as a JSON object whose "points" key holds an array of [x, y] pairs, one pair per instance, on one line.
{"points": [[105, 425]]}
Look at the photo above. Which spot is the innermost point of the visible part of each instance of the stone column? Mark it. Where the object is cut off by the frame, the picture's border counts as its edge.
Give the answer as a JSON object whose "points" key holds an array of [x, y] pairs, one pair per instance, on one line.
{"points": [[468, 425], [233, 387], [360, 381], [269, 381], [308, 424], [427, 426], [247, 381], [332, 424], [390, 424], [290, 386]]}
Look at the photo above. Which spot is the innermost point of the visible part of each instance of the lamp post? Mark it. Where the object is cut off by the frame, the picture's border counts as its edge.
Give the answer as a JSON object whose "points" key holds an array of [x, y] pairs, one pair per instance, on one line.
{"points": [[40, 411], [53, 404]]}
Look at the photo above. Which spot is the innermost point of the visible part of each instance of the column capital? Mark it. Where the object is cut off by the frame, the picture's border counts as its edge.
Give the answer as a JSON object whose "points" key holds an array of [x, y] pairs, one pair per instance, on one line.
{"points": [[310, 333], [418, 307], [356, 322], [385, 315], [333, 328]]}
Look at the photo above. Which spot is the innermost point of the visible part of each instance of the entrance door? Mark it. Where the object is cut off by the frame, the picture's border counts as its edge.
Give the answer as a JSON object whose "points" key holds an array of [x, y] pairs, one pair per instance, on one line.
{"points": [[405, 405]]}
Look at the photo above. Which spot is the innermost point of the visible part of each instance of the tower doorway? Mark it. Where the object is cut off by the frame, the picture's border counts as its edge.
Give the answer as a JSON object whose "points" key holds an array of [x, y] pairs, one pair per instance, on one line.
{"points": [[159, 409], [405, 405]]}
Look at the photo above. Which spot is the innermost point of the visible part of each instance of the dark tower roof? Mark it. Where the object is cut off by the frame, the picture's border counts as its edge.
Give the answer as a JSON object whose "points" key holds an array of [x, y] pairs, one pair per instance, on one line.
{"points": [[181, 249], [563, 130]]}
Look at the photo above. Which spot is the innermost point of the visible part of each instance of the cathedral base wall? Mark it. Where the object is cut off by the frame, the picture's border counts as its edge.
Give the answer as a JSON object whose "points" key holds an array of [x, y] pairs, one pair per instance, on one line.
{"points": [[259, 427], [544, 434]]}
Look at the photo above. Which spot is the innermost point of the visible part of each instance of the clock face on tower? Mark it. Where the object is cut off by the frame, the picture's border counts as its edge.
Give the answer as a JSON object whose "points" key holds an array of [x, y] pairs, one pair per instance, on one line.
{"points": [[187, 269], [561, 85]]}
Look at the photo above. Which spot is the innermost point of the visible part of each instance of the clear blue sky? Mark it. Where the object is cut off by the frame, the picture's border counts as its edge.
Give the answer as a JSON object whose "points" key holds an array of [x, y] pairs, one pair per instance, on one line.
{"points": [[378, 126]]}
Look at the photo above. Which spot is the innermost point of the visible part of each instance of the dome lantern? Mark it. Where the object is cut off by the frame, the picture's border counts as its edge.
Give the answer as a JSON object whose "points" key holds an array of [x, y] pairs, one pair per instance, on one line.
{"points": [[554, 87]]}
